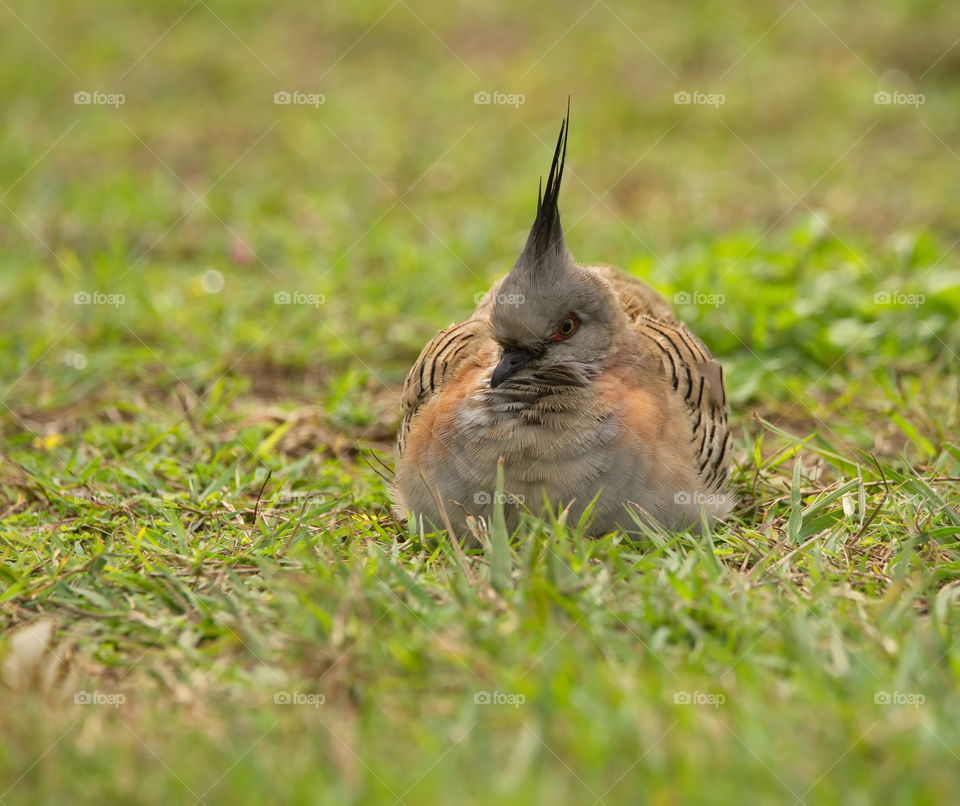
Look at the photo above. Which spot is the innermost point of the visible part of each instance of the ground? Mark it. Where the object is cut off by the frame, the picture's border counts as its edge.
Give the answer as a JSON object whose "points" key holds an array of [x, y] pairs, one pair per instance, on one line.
{"points": [[228, 228]]}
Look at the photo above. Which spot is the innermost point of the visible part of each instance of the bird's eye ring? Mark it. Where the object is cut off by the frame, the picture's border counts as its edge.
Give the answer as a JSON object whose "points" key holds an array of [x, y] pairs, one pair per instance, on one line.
{"points": [[566, 327]]}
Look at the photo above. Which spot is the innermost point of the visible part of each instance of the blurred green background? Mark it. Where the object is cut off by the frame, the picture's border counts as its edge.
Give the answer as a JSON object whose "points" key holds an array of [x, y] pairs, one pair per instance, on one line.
{"points": [[797, 198], [180, 482]]}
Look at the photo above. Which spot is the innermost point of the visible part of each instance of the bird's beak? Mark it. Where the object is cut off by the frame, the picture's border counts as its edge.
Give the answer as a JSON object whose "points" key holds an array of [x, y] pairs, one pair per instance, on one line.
{"points": [[510, 362]]}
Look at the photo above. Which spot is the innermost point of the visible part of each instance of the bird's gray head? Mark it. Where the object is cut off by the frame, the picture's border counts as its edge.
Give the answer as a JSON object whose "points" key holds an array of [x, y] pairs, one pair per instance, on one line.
{"points": [[548, 311]]}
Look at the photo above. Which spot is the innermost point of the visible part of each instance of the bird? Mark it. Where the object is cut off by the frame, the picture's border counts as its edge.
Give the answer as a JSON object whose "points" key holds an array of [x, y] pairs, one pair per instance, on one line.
{"points": [[581, 384]]}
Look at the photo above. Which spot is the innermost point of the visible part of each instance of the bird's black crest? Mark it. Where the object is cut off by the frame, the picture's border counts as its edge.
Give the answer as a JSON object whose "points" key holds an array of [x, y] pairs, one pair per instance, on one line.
{"points": [[546, 233]]}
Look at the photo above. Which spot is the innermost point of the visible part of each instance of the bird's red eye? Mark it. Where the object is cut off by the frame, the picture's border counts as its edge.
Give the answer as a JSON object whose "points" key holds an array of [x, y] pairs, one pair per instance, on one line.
{"points": [[566, 327]]}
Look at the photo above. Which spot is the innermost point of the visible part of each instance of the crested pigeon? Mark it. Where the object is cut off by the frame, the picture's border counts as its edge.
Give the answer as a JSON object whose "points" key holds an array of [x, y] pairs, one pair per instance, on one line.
{"points": [[582, 383]]}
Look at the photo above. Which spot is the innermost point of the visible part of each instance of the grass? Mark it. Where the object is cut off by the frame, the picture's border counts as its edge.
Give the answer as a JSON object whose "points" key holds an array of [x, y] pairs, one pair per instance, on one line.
{"points": [[195, 536]]}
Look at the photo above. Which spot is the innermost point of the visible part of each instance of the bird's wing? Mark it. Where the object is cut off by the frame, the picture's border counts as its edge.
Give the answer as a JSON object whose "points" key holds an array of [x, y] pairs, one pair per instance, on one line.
{"points": [[438, 362], [697, 379]]}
